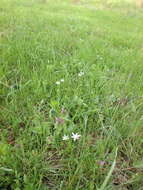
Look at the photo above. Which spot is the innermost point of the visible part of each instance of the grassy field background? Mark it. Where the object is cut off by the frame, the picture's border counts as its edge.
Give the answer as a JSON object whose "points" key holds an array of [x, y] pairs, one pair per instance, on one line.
{"points": [[71, 67]]}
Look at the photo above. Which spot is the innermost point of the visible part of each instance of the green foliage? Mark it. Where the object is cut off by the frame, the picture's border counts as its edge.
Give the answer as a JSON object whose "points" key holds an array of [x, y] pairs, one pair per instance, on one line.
{"points": [[70, 67]]}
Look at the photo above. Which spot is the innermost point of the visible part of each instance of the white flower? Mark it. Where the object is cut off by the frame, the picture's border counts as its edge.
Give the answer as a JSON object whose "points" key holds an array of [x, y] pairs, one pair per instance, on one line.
{"points": [[80, 74], [75, 136], [58, 82], [62, 80], [65, 138]]}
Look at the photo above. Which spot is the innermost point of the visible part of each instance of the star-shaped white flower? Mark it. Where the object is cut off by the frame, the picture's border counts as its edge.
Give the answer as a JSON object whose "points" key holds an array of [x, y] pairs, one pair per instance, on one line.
{"points": [[65, 138], [58, 82], [75, 136], [62, 80], [80, 74]]}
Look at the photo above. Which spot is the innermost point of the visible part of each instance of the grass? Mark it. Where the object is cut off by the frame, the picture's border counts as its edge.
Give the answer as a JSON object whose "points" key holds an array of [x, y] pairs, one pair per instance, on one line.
{"points": [[42, 43]]}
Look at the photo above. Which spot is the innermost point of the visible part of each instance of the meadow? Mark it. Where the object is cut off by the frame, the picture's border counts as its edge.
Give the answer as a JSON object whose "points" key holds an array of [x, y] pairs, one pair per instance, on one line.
{"points": [[71, 95]]}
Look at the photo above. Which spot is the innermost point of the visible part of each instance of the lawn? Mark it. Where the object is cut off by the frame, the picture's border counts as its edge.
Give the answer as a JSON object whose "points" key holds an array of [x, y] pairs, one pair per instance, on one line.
{"points": [[71, 95]]}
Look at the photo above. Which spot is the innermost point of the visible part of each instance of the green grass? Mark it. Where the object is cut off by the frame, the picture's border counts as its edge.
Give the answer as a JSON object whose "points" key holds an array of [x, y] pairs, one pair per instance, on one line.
{"points": [[42, 43]]}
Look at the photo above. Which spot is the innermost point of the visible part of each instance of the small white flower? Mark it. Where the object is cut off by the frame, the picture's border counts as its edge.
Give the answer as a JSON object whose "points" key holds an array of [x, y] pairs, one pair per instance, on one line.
{"points": [[80, 74], [75, 136], [65, 138], [62, 80], [58, 82]]}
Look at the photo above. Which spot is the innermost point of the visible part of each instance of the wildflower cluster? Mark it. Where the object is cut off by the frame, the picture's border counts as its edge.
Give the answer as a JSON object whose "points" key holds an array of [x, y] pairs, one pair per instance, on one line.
{"points": [[75, 136], [59, 82]]}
